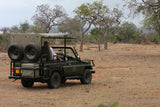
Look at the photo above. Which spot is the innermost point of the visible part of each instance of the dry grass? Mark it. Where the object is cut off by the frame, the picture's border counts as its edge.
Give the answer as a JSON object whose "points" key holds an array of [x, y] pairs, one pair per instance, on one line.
{"points": [[125, 73]]}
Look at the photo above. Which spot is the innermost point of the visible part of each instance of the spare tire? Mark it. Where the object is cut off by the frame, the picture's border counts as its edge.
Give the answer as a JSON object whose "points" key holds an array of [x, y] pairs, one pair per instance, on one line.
{"points": [[32, 52], [15, 52]]}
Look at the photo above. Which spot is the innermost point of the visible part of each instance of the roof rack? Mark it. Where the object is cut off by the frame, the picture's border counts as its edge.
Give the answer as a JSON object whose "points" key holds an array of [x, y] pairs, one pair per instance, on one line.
{"points": [[48, 35], [56, 35]]}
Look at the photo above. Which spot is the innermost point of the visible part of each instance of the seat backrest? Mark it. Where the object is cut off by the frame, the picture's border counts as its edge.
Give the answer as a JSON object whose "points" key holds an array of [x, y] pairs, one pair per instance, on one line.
{"points": [[46, 54]]}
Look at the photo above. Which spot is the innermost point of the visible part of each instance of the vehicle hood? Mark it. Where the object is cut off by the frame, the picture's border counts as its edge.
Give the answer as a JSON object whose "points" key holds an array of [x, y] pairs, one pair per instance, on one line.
{"points": [[85, 60]]}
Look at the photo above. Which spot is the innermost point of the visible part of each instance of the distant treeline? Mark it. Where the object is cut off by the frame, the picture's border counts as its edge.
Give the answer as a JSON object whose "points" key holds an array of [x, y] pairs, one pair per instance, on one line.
{"points": [[121, 35], [94, 23]]}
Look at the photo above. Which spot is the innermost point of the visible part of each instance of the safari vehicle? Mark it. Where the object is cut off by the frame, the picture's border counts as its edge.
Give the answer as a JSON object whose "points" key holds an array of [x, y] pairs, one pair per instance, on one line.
{"points": [[30, 63]]}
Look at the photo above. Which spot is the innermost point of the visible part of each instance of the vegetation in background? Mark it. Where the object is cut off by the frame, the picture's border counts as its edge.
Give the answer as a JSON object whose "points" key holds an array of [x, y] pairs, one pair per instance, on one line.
{"points": [[93, 23], [4, 42], [98, 15], [150, 9], [71, 26], [97, 37], [85, 14]]}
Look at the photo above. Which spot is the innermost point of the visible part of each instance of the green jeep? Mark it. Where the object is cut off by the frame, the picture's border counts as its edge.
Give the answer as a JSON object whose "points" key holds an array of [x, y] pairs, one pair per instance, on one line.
{"points": [[31, 63]]}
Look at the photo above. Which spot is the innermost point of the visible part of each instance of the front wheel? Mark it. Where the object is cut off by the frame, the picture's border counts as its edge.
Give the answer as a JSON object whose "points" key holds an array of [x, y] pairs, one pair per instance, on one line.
{"points": [[55, 80], [27, 83], [86, 77]]}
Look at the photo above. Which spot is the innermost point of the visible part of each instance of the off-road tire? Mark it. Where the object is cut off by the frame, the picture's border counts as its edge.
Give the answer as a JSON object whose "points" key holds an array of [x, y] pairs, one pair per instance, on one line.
{"points": [[27, 83], [86, 77], [15, 52], [32, 52], [54, 81]]}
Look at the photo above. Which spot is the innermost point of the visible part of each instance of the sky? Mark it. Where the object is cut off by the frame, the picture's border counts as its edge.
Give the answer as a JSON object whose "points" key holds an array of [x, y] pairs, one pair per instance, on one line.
{"points": [[14, 12]]}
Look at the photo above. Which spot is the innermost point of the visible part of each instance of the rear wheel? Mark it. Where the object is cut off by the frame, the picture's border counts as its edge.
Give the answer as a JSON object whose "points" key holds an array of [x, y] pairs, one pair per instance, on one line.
{"points": [[86, 77], [55, 80], [27, 83]]}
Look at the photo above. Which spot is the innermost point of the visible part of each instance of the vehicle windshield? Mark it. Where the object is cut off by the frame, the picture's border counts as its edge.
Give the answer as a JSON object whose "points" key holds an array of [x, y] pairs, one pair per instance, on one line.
{"points": [[70, 55]]}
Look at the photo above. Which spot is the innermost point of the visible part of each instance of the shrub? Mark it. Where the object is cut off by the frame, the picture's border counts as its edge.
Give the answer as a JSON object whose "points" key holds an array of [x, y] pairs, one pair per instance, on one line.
{"points": [[110, 105], [4, 42], [156, 39]]}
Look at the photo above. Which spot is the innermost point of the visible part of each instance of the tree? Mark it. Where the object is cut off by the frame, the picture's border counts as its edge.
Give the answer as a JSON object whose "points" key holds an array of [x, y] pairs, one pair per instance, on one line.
{"points": [[152, 22], [14, 29], [101, 11], [24, 27], [47, 18], [97, 36], [151, 10], [86, 17], [107, 21], [36, 29], [72, 26], [128, 31], [100, 16], [5, 30]]}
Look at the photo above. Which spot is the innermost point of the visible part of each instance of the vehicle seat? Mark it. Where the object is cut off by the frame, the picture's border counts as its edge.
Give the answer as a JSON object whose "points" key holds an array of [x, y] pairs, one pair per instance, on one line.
{"points": [[46, 54]]}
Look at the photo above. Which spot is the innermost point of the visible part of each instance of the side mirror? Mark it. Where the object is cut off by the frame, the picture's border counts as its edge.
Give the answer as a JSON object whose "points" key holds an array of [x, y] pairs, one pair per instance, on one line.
{"points": [[78, 57]]}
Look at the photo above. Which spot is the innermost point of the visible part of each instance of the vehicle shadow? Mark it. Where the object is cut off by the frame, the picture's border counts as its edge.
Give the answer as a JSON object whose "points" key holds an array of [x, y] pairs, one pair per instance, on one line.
{"points": [[70, 84], [40, 86]]}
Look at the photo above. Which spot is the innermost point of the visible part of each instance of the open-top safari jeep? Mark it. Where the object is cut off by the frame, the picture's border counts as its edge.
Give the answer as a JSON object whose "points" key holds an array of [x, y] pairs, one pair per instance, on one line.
{"points": [[31, 63]]}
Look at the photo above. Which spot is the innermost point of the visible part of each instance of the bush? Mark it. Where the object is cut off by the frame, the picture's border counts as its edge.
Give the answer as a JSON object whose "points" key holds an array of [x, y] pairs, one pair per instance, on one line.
{"points": [[156, 39], [4, 42], [110, 105], [115, 38]]}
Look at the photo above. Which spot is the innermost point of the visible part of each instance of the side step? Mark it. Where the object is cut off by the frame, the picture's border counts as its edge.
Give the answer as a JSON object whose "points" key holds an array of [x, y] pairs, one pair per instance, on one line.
{"points": [[73, 77]]}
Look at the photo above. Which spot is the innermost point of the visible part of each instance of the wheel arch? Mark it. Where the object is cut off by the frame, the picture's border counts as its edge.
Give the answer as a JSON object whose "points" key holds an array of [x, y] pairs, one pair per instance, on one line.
{"points": [[59, 71], [88, 67]]}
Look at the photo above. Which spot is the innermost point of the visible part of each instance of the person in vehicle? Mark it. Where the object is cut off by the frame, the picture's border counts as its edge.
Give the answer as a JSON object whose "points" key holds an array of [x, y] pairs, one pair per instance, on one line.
{"points": [[50, 52]]}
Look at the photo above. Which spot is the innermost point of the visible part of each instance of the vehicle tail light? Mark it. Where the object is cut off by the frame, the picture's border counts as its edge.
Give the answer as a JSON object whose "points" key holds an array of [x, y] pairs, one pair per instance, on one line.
{"points": [[41, 72], [12, 69]]}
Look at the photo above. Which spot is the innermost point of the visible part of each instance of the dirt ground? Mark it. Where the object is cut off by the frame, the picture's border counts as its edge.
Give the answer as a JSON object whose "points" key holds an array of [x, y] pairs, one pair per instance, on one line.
{"points": [[125, 73]]}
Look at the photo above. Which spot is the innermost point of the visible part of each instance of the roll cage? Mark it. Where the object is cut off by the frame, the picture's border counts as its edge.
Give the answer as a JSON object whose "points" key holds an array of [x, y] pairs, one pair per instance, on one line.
{"points": [[59, 36]]}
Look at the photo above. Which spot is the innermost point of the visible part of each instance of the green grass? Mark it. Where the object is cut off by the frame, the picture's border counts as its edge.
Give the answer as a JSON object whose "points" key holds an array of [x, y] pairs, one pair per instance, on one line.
{"points": [[115, 104]]}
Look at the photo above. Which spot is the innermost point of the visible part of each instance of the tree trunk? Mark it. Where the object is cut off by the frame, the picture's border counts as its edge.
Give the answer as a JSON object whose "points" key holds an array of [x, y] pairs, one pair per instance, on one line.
{"points": [[159, 34], [81, 44], [82, 37], [99, 46], [88, 48], [105, 42], [127, 38], [46, 29]]}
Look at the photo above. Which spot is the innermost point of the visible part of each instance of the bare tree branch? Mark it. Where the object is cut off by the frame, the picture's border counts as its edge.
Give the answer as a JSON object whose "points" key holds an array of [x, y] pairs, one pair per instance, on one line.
{"points": [[47, 18]]}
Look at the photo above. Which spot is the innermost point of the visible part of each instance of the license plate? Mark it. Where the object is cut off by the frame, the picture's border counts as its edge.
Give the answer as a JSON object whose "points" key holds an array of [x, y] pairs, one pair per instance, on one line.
{"points": [[18, 71]]}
